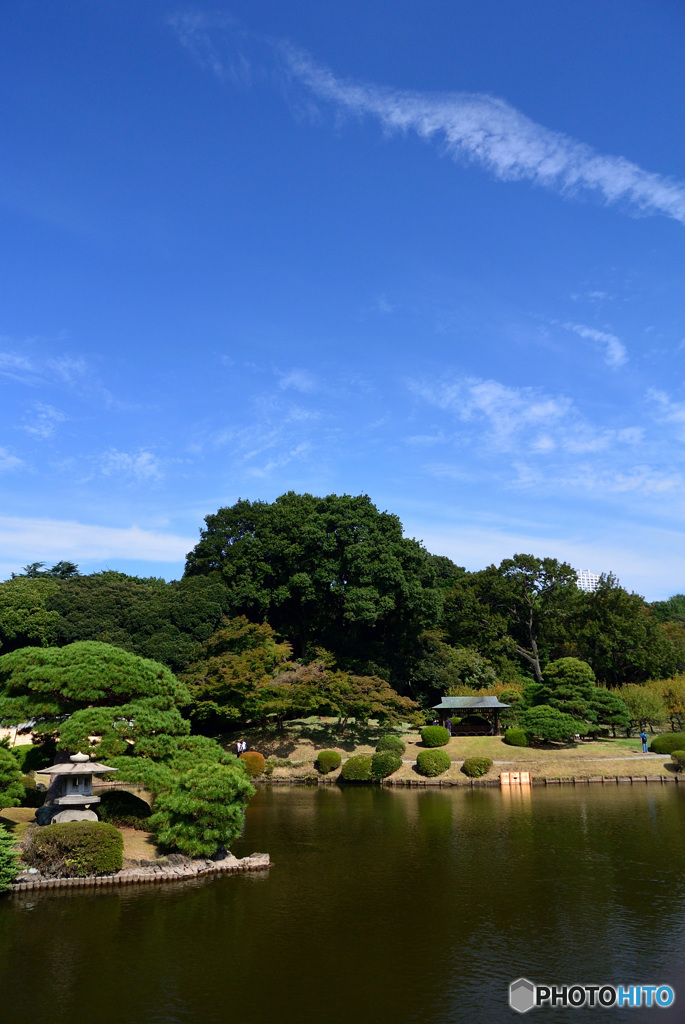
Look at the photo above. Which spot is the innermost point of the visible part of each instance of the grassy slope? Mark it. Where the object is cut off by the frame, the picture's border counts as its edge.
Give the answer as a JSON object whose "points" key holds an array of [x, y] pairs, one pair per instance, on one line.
{"points": [[300, 741]]}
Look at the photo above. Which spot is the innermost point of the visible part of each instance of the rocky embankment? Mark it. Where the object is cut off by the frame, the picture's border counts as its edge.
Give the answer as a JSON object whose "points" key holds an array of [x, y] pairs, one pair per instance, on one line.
{"points": [[175, 868]]}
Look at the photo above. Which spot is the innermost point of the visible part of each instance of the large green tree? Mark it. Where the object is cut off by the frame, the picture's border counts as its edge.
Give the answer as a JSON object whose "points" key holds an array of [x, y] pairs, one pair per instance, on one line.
{"points": [[521, 606], [332, 572], [616, 632], [25, 620], [150, 617]]}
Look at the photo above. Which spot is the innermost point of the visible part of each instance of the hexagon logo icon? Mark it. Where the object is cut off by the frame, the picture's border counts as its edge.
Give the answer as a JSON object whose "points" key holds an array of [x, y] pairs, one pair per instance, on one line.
{"points": [[522, 995]]}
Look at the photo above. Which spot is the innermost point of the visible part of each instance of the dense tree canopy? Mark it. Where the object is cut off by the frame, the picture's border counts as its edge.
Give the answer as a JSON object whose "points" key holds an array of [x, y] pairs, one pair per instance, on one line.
{"points": [[332, 572], [272, 586], [51, 684]]}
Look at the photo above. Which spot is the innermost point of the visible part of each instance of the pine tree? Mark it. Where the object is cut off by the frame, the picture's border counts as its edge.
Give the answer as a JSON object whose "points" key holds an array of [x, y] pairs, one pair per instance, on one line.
{"points": [[8, 859]]}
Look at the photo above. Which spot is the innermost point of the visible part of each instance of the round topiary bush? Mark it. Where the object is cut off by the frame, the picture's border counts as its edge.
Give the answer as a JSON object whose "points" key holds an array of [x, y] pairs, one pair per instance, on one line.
{"points": [[392, 743], [432, 762], [327, 761], [33, 797], [75, 849], [678, 758], [357, 769], [254, 762], [124, 809], [434, 736], [516, 737], [474, 767], [668, 742], [384, 763]]}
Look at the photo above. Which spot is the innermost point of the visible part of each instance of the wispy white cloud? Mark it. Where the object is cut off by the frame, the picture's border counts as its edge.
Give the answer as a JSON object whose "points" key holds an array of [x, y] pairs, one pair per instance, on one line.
{"points": [[140, 465], [33, 539], [614, 350], [472, 127], [43, 421], [35, 369], [667, 410], [505, 420], [488, 131], [8, 461], [298, 380]]}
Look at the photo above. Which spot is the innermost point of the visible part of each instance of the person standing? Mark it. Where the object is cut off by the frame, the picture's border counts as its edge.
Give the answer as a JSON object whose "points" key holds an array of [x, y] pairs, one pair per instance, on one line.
{"points": [[448, 725], [643, 737]]}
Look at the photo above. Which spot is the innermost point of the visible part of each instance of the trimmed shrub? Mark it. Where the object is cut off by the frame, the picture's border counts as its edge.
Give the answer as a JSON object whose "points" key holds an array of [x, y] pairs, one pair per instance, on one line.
{"points": [[33, 797], [678, 758], [75, 849], [668, 742], [392, 743], [432, 762], [516, 737], [8, 859], [384, 763], [357, 769], [254, 762], [327, 761], [434, 736], [474, 767], [124, 809]]}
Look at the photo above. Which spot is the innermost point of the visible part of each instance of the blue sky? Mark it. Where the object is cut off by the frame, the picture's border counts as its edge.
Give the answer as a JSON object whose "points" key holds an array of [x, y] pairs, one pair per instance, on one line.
{"points": [[430, 251]]}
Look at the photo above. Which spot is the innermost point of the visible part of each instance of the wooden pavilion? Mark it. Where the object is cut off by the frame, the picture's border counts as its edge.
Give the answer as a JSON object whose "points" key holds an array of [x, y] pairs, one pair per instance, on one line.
{"points": [[479, 716]]}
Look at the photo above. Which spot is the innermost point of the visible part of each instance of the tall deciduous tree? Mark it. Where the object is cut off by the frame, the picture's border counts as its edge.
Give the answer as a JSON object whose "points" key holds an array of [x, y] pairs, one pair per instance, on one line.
{"points": [[530, 599], [25, 619], [616, 632], [332, 572]]}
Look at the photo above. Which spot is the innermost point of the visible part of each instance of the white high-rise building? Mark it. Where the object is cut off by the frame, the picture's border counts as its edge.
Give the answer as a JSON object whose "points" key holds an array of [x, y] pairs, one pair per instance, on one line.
{"points": [[587, 580]]}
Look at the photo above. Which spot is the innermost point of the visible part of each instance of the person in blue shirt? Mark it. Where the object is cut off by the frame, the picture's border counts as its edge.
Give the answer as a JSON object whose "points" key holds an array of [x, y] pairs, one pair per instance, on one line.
{"points": [[643, 737]]}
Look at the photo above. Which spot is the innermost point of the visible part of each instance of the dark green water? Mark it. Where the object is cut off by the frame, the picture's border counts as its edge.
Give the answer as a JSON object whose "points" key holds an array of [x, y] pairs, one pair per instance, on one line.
{"points": [[383, 906]]}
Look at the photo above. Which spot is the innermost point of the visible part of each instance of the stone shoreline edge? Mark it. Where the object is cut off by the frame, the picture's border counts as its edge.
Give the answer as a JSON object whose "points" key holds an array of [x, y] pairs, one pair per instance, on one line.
{"points": [[577, 780], [152, 873]]}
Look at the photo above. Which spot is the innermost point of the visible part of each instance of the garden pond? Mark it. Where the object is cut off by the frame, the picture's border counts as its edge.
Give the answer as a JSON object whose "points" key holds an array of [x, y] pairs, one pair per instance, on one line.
{"points": [[384, 905]]}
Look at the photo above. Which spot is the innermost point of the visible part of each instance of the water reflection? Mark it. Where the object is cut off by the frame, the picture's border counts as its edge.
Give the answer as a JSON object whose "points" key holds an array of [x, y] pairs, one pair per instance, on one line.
{"points": [[384, 905]]}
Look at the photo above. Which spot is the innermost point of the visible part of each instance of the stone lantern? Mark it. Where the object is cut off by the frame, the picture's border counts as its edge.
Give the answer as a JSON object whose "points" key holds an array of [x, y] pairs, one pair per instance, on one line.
{"points": [[71, 790]]}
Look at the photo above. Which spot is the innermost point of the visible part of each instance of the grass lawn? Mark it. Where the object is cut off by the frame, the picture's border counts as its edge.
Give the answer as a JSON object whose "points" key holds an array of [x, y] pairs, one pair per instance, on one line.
{"points": [[300, 740]]}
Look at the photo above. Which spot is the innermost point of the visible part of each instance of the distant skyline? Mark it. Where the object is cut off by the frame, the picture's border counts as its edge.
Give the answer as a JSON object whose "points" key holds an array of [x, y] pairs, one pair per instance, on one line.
{"points": [[433, 252]]}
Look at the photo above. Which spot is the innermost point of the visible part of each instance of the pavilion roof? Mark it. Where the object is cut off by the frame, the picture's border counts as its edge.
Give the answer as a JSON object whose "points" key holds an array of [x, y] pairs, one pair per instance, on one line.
{"points": [[469, 704]]}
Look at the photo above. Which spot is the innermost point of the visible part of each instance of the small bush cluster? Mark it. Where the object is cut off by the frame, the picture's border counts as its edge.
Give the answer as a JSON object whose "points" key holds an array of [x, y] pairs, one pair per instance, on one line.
{"points": [[678, 758], [384, 763], [516, 737], [391, 743], [432, 762], [668, 742], [33, 797], [357, 768], [327, 761], [124, 809], [254, 762], [434, 736], [276, 762], [474, 767], [75, 849]]}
